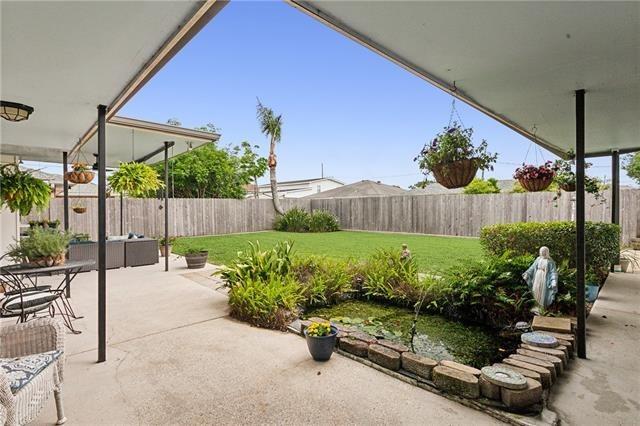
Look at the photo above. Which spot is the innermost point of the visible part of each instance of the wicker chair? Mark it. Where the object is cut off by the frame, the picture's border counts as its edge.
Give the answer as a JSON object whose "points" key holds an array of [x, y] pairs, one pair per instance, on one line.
{"points": [[40, 336]]}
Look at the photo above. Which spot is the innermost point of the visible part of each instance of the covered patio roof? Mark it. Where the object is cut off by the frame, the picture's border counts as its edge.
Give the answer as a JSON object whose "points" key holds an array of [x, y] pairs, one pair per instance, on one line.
{"points": [[66, 58], [518, 62]]}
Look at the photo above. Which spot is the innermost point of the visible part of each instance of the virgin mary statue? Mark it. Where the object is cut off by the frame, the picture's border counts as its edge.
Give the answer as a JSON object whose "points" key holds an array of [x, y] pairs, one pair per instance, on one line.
{"points": [[542, 278]]}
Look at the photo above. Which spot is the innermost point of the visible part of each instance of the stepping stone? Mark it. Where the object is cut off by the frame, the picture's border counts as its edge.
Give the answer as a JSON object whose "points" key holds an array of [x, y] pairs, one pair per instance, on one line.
{"points": [[418, 364], [526, 373], [364, 337], [488, 389], [553, 324], [557, 362], [398, 347], [557, 352], [522, 398], [561, 336], [464, 368], [535, 338], [504, 377], [545, 375], [546, 364], [387, 358], [354, 346], [456, 381]]}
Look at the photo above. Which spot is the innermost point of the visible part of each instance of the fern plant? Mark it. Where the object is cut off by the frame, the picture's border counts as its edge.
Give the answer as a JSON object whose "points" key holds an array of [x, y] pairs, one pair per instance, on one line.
{"points": [[135, 179], [20, 191]]}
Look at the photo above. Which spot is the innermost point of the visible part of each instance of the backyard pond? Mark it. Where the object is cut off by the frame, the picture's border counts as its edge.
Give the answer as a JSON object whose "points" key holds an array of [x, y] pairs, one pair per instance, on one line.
{"points": [[436, 337]]}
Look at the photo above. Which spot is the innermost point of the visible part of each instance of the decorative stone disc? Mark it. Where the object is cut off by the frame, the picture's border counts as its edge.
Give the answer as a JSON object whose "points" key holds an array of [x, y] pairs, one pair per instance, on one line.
{"points": [[539, 339], [522, 325], [504, 377]]}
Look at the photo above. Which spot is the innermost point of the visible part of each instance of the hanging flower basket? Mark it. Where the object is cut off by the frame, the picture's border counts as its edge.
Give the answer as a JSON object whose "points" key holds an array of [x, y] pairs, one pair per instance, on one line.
{"points": [[457, 174], [534, 178], [568, 187], [79, 209], [81, 177]]}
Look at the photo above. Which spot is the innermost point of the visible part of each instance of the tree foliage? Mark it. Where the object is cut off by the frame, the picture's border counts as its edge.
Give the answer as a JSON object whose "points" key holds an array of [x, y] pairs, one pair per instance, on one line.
{"points": [[632, 165], [481, 186]]}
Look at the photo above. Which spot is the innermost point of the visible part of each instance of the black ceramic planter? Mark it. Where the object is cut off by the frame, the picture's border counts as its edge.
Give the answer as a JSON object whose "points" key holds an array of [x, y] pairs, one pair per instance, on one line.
{"points": [[321, 348]]}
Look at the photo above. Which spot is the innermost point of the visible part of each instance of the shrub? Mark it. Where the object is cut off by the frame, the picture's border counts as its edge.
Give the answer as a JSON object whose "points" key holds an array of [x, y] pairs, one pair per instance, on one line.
{"points": [[388, 276], [323, 221], [481, 186], [270, 303], [256, 264], [324, 281], [294, 220], [602, 242]]}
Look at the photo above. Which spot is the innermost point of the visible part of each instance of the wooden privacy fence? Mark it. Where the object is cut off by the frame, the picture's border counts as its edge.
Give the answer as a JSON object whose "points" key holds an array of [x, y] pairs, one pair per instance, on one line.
{"points": [[454, 214]]}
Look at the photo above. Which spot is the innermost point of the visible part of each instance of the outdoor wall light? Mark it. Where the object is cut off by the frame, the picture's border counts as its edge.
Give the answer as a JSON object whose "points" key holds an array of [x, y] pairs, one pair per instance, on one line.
{"points": [[13, 111]]}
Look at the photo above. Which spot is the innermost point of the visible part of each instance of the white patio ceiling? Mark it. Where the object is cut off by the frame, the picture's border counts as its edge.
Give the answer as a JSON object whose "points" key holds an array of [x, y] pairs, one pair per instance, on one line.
{"points": [[519, 62], [64, 58]]}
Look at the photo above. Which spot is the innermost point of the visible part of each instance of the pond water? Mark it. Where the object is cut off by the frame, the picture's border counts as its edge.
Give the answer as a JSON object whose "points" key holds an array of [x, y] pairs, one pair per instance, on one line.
{"points": [[436, 337]]}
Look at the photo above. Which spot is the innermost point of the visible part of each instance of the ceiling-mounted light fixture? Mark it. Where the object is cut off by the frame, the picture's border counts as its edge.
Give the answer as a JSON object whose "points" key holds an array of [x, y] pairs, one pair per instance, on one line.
{"points": [[13, 111]]}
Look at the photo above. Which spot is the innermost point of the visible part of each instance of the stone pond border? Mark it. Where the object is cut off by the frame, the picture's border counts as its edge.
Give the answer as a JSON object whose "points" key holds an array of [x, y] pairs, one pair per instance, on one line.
{"points": [[462, 383]]}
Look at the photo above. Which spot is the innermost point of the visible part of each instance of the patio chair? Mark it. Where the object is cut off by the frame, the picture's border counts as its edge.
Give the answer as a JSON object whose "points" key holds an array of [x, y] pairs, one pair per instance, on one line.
{"points": [[31, 367], [20, 300]]}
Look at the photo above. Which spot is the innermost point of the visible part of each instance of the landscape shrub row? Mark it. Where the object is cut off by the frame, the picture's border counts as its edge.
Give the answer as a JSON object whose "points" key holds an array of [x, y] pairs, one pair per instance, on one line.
{"points": [[602, 242], [299, 220], [269, 288]]}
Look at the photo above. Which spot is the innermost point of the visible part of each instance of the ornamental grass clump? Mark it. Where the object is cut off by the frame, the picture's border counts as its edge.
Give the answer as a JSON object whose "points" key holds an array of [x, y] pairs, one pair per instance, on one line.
{"points": [[323, 221], [323, 281], [294, 220]]}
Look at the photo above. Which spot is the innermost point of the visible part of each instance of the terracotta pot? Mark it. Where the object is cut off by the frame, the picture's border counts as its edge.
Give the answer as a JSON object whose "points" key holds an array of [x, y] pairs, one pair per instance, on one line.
{"points": [[162, 250], [80, 210], [536, 185], [569, 187], [457, 174], [48, 261], [80, 177]]}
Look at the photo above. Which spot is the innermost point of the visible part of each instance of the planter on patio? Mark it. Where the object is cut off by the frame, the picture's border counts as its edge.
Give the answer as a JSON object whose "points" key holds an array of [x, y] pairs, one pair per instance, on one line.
{"points": [[162, 250], [591, 292], [47, 261], [321, 339], [196, 260]]}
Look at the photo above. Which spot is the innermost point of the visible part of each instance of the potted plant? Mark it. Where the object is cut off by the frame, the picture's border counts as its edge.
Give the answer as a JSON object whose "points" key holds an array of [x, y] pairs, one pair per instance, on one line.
{"points": [[321, 339], [566, 178], [161, 245], [20, 191], [629, 261], [535, 178], [41, 247], [196, 258], [135, 179], [591, 288], [80, 173], [79, 209], [53, 224], [453, 159]]}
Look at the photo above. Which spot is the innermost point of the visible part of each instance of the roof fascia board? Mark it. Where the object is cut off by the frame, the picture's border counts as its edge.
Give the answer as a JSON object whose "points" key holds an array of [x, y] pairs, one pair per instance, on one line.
{"points": [[203, 13], [354, 35], [163, 128]]}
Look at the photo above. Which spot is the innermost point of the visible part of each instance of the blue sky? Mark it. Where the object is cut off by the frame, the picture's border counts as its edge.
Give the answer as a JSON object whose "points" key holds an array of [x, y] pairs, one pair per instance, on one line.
{"points": [[344, 106]]}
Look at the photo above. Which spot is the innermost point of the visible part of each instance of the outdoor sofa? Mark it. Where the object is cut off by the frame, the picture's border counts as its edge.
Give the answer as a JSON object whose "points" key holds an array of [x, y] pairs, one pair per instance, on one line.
{"points": [[120, 253]]}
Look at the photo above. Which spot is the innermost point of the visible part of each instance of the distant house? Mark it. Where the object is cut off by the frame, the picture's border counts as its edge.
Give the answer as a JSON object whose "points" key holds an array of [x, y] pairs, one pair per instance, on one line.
{"points": [[89, 190], [296, 188], [505, 185], [364, 188]]}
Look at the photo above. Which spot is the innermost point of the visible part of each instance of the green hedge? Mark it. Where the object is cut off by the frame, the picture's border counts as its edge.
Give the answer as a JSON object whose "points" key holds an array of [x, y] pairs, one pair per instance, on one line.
{"points": [[602, 242], [299, 220]]}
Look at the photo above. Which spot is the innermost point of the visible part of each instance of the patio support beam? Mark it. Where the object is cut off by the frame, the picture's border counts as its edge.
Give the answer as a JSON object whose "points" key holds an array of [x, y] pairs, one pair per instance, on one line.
{"points": [[615, 190], [121, 215], [65, 213], [580, 224], [167, 145], [102, 236]]}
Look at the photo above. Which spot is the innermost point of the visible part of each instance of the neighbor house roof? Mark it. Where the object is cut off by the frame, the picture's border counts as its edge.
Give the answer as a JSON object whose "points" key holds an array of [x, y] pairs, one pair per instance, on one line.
{"points": [[505, 185], [364, 188], [301, 181]]}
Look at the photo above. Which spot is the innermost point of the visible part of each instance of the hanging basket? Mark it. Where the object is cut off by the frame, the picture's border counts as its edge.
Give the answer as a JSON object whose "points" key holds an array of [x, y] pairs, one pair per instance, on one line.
{"points": [[79, 209], [568, 187], [457, 174], [536, 185], [83, 177], [48, 261]]}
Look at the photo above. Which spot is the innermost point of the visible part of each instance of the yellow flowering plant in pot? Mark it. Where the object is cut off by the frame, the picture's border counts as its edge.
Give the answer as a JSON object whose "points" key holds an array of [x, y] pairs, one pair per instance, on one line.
{"points": [[321, 339]]}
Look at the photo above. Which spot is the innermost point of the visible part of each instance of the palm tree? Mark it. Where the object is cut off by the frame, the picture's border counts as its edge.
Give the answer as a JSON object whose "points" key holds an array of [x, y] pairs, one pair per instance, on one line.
{"points": [[271, 126]]}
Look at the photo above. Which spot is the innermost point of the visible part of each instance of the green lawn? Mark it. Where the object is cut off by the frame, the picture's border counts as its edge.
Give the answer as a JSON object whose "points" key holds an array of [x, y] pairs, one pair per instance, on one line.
{"points": [[431, 252]]}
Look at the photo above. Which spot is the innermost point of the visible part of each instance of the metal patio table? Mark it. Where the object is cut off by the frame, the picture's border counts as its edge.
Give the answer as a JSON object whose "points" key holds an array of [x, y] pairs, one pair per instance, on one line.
{"points": [[69, 270]]}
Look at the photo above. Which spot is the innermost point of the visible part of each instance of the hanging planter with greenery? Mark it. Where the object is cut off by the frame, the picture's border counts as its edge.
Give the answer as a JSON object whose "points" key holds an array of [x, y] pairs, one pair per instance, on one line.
{"points": [[20, 191], [453, 159], [81, 173], [566, 178], [535, 178], [135, 179]]}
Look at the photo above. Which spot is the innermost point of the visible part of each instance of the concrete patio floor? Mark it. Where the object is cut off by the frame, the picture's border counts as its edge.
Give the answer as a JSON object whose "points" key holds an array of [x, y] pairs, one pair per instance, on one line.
{"points": [[175, 357]]}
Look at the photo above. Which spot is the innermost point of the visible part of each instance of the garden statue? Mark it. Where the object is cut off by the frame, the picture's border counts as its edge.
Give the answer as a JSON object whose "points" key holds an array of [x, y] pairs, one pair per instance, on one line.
{"points": [[406, 253], [542, 278]]}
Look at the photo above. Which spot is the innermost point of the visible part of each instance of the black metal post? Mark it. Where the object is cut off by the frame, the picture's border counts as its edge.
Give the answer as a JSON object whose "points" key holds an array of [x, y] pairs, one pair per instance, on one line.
{"points": [[166, 205], [580, 225], [102, 236], [121, 215], [65, 213], [615, 191]]}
